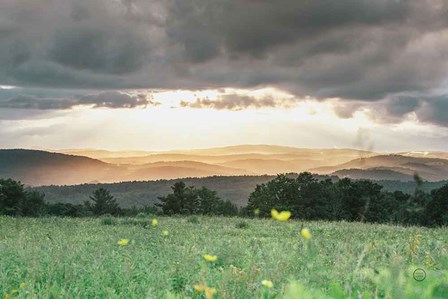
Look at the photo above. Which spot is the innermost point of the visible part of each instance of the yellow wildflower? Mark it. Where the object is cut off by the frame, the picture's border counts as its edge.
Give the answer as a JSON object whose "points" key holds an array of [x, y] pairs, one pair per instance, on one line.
{"points": [[305, 232], [257, 212], [165, 233], [22, 285], [154, 222], [7, 296], [267, 283], [280, 216], [123, 242], [199, 287], [209, 292], [210, 258]]}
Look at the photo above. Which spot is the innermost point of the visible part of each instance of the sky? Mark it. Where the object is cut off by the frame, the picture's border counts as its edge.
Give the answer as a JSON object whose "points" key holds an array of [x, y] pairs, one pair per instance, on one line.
{"points": [[178, 74]]}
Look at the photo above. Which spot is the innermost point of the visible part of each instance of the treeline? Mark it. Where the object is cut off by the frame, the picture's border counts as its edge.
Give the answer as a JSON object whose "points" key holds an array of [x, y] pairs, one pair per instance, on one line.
{"points": [[15, 200], [305, 196], [234, 188], [191, 200], [362, 200]]}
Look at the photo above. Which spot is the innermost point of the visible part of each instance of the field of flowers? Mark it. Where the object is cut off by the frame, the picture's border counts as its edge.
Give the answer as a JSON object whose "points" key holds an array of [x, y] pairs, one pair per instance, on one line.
{"points": [[217, 257]]}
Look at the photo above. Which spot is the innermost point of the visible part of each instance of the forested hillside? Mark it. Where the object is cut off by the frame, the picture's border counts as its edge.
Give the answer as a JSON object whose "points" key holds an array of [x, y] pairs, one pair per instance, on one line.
{"points": [[234, 188]]}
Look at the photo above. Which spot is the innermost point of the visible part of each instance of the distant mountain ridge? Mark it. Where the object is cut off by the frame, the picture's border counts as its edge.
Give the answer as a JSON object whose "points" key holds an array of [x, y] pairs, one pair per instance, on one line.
{"points": [[392, 166], [37, 167], [373, 174]]}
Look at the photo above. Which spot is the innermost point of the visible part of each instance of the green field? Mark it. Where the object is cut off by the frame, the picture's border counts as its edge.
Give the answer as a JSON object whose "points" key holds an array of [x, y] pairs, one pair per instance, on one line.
{"points": [[80, 258]]}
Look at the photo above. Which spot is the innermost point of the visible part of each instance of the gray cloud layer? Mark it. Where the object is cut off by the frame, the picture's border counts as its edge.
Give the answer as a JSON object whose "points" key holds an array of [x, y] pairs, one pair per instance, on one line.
{"points": [[359, 50], [240, 102], [428, 109], [108, 99]]}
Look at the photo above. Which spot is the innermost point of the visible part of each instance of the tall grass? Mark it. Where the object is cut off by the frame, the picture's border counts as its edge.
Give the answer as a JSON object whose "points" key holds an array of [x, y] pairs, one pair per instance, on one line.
{"points": [[80, 258]]}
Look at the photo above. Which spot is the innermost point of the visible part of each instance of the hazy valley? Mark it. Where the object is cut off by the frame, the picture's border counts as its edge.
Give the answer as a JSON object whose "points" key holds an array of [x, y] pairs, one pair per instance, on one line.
{"points": [[69, 167]]}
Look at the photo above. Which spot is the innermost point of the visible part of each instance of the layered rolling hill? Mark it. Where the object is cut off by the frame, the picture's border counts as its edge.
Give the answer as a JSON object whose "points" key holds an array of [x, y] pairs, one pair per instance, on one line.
{"points": [[390, 167], [45, 168], [86, 166]]}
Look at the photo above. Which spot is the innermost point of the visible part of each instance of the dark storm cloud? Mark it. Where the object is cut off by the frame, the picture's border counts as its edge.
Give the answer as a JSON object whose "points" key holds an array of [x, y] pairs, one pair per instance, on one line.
{"points": [[30, 102], [99, 50], [107, 99], [355, 50], [254, 27], [348, 49], [390, 110], [112, 99], [434, 110], [399, 106], [427, 109], [68, 43], [240, 102]]}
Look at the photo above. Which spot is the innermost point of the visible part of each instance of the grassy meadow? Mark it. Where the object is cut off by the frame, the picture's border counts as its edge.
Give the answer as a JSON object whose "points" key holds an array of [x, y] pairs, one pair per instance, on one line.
{"points": [[81, 258]]}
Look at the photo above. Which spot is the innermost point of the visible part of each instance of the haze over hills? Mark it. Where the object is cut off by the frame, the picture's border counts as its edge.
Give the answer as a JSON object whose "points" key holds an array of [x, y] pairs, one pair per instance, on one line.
{"points": [[65, 168], [306, 158], [376, 173], [391, 167], [34, 167], [419, 154], [99, 154]]}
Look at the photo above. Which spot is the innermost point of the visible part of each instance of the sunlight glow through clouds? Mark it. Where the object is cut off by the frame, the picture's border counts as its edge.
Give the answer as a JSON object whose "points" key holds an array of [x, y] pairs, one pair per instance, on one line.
{"points": [[303, 123]]}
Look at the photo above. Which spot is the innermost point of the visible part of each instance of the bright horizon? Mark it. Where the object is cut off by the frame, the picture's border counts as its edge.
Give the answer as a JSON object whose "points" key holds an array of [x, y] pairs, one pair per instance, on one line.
{"points": [[221, 147], [178, 120]]}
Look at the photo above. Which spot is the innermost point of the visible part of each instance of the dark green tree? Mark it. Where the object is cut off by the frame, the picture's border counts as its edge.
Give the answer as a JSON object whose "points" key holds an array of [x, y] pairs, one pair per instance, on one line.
{"points": [[16, 201], [183, 200], [394, 206], [34, 204], [192, 200], [103, 203], [208, 200], [12, 197], [68, 210], [375, 208], [437, 207], [280, 193], [414, 209], [350, 200], [312, 199], [226, 208], [304, 196]]}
